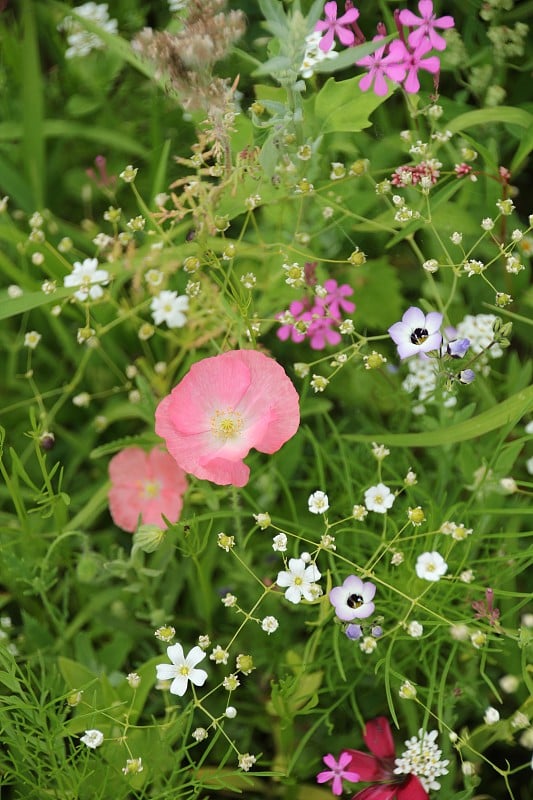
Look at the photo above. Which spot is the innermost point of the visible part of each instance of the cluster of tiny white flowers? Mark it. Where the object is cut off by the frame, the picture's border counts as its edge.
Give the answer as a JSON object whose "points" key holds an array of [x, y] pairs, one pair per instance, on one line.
{"points": [[423, 377], [478, 330], [82, 41], [423, 759], [457, 532], [313, 54]]}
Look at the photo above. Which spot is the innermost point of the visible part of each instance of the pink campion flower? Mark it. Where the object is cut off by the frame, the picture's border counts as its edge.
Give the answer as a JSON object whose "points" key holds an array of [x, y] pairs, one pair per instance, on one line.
{"points": [[223, 407], [337, 772], [413, 61], [335, 301], [336, 27], [145, 486], [386, 61], [424, 25], [300, 312], [379, 767], [321, 331]]}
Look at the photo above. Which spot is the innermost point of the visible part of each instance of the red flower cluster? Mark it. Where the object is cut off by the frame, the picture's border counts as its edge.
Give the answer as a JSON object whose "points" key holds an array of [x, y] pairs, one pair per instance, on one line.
{"points": [[411, 175]]}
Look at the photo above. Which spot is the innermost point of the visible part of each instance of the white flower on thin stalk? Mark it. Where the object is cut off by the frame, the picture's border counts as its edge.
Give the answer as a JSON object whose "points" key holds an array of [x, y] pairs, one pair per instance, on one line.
{"points": [[93, 738], [168, 307], [299, 581], [431, 566], [89, 278], [379, 498], [318, 502], [182, 669]]}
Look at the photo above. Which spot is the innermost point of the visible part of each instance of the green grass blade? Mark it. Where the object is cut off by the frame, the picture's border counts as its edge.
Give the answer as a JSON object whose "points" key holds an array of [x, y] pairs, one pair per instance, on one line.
{"points": [[505, 413]]}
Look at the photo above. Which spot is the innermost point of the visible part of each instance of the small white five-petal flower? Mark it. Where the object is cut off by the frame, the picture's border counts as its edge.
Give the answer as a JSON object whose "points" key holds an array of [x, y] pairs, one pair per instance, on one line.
{"points": [[183, 669]]}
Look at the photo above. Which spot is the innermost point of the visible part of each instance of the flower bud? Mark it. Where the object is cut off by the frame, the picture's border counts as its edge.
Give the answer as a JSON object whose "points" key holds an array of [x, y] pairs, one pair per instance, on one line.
{"points": [[148, 538]]}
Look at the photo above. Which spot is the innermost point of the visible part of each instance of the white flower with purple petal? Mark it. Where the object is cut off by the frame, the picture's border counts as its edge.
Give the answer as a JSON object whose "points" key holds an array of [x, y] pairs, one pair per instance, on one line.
{"points": [[353, 600], [417, 332]]}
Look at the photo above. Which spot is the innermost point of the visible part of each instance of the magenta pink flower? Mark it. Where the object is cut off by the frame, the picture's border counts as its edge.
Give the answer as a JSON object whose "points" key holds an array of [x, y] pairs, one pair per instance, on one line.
{"points": [[335, 300], [336, 27], [386, 61], [414, 60], [321, 331], [145, 486], [223, 407], [337, 772], [424, 25], [300, 312]]}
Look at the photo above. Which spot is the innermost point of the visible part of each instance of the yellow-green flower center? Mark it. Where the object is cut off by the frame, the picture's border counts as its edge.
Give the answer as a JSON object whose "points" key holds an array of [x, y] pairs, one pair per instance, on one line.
{"points": [[226, 424]]}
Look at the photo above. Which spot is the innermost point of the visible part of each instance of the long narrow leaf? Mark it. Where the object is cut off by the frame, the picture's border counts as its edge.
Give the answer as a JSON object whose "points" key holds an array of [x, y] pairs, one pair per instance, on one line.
{"points": [[505, 413]]}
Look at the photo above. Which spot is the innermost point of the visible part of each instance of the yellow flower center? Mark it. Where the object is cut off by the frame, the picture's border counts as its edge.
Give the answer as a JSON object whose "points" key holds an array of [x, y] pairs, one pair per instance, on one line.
{"points": [[184, 670], [150, 489], [226, 424]]}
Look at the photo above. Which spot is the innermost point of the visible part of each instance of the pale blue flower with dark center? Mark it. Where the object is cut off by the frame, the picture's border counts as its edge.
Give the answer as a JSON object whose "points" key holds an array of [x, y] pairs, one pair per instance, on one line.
{"points": [[417, 332], [353, 600]]}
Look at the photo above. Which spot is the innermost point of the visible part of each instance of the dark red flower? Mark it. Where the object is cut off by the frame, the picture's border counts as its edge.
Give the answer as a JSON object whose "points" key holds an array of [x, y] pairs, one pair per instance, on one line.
{"points": [[378, 768]]}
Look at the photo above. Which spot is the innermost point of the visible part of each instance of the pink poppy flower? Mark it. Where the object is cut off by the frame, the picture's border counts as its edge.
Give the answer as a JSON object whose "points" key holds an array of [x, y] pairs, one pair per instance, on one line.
{"points": [[336, 27], [424, 25], [223, 407], [385, 62], [337, 772], [379, 767], [145, 486]]}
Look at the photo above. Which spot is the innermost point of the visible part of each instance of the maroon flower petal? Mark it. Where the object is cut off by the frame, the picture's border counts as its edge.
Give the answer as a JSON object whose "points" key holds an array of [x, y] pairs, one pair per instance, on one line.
{"points": [[378, 738], [367, 766]]}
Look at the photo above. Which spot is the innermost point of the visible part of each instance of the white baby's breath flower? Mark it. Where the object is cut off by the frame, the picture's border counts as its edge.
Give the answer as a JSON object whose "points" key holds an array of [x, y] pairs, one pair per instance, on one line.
{"points": [[269, 624], [263, 520], [299, 581], [430, 566], [168, 307], [407, 691], [318, 502], [93, 738], [491, 716], [32, 339], [279, 543], [219, 655], [379, 498], [246, 761], [368, 644], [415, 629], [89, 278]]}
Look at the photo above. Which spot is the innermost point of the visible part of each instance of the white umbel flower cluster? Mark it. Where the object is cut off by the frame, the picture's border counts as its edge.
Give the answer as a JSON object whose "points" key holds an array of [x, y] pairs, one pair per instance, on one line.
{"points": [[423, 759], [313, 54], [80, 40], [478, 330]]}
